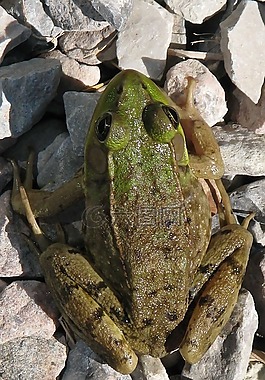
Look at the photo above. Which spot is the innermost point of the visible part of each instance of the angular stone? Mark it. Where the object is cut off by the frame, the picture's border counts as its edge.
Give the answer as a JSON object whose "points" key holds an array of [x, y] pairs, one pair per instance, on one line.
{"points": [[79, 108], [16, 258], [241, 149], [256, 370], [230, 352], [115, 12], [6, 173], [11, 33], [83, 363], [242, 39], [32, 358], [26, 309], [75, 76], [150, 368], [179, 38], [195, 11], [26, 90], [84, 46], [209, 95], [247, 113], [143, 42]]}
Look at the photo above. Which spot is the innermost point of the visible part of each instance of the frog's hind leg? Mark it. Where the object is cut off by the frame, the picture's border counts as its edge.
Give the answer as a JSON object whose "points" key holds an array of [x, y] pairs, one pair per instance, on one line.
{"points": [[219, 277]]}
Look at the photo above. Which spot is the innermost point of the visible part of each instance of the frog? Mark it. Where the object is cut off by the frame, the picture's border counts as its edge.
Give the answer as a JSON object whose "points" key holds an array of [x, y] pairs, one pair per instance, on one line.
{"points": [[150, 262]]}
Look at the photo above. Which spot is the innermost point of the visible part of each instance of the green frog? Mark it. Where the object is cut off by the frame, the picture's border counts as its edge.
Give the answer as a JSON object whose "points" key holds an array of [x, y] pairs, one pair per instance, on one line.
{"points": [[147, 229]]}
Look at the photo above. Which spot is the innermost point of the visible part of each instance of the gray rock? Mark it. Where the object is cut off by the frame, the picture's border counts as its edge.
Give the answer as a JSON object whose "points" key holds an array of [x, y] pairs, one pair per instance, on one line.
{"points": [[11, 33], [16, 258], [75, 15], [84, 46], [115, 12], [149, 368], [244, 31], [247, 113], [256, 370], [179, 32], [26, 309], [75, 76], [195, 11], [79, 108], [82, 364], [32, 358], [228, 357], [209, 96], [143, 42], [241, 149], [26, 90], [60, 165], [254, 282], [6, 173]]}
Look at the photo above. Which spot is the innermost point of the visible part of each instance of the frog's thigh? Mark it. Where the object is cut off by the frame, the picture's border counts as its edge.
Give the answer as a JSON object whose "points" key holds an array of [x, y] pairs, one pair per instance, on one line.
{"points": [[217, 301], [75, 287]]}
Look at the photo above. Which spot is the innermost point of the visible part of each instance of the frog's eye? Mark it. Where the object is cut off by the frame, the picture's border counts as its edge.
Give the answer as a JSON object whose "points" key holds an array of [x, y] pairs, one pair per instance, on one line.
{"points": [[161, 122], [102, 127]]}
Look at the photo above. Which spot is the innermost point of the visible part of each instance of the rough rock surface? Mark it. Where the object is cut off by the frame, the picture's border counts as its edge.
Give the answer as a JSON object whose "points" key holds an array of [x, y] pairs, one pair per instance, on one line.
{"points": [[11, 34], [26, 90], [244, 57], [150, 29], [195, 11], [229, 355], [209, 95], [116, 12]]}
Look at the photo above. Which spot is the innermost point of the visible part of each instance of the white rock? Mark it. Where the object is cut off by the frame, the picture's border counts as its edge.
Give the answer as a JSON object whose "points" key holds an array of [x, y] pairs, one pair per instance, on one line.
{"points": [[143, 42], [83, 363], [115, 12], [11, 33], [209, 95], [242, 44], [247, 113], [179, 38], [32, 358], [195, 11], [79, 108], [228, 356], [241, 149], [15, 258], [75, 75], [26, 309], [150, 368], [256, 371], [26, 90], [84, 46]]}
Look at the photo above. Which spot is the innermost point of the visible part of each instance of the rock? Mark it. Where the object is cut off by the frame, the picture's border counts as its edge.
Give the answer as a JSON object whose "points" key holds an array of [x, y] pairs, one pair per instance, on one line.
{"points": [[16, 258], [150, 368], [238, 48], [11, 34], [84, 46], [27, 88], [59, 164], [254, 282], [195, 11], [247, 113], [115, 12], [209, 95], [79, 108], [75, 76], [178, 32], [143, 42], [32, 358], [75, 15], [31, 12], [251, 198], [82, 364], [26, 309], [6, 173], [228, 357], [241, 149], [256, 371]]}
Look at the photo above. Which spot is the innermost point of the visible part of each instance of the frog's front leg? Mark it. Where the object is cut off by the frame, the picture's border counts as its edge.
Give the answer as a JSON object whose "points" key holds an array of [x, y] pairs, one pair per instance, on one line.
{"points": [[204, 155], [220, 276], [44, 203]]}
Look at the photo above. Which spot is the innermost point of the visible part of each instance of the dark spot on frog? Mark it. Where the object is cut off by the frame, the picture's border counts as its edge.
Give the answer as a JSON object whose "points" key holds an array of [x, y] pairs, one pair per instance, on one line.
{"points": [[123, 317], [153, 293], [188, 220], [215, 313], [97, 314], [172, 316], [206, 300], [144, 86], [119, 89], [117, 342], [234, 264], [169, 288], [207, 269], [147, 321]]}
